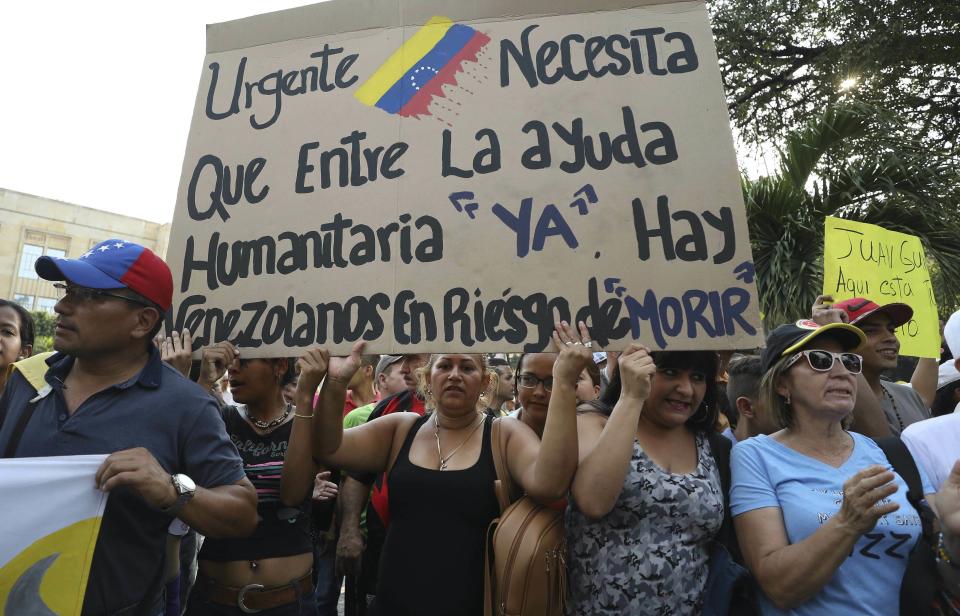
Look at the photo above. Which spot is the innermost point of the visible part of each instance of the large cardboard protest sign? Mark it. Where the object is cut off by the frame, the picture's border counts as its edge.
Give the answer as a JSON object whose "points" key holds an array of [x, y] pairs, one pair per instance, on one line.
{"points": [[862, 260], [443, 176], [49, 524]]}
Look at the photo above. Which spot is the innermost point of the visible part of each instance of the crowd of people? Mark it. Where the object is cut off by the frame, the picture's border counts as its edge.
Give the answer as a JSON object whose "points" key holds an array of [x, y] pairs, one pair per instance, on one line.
{"points": [[793, 479]]}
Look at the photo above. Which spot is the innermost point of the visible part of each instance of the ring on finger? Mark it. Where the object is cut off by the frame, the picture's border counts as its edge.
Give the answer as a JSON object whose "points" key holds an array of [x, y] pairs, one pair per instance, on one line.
{"points": [[588, 344], [568, 342], [578, 342]]}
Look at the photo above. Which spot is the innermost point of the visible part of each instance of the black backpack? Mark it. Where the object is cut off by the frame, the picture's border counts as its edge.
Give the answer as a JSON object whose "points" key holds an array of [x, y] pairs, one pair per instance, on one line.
{"points": [[920, 581]]}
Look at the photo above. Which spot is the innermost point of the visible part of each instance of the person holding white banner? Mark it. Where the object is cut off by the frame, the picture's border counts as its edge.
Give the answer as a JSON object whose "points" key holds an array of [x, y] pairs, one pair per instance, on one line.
{"points": [[106, 391]]}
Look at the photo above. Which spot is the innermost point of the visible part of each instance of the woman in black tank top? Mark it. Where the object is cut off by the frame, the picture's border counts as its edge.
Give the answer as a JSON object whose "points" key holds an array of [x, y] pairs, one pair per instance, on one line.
{"points": [[441, 476]]}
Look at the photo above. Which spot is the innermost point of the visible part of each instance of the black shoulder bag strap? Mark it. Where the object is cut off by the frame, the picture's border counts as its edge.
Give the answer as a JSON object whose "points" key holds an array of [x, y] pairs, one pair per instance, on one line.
{"points": [[921, 579], [720, 448], [19, 428], [903, 463]]}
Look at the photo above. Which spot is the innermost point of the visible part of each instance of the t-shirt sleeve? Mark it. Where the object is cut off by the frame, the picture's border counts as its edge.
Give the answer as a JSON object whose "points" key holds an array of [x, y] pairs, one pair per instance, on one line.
{"points": [[925, 480], [354, 418], [209, 456], [751, 487], [922, 457]]}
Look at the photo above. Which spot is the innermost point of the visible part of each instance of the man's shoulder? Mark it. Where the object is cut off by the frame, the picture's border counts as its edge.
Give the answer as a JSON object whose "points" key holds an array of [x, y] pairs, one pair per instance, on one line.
{"points": [[358, 415], [173, 383], [399, 402], [941, 428], [904, 393]]}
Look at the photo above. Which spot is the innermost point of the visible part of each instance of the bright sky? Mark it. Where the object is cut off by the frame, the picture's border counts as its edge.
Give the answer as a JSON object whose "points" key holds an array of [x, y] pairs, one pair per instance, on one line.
{"points": [[97, 97]]}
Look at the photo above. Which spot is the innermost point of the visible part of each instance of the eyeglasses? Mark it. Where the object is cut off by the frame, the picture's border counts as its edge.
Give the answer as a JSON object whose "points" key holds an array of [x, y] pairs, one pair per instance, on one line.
{"points": [[822, 361], [529, 381], [86, 294]]}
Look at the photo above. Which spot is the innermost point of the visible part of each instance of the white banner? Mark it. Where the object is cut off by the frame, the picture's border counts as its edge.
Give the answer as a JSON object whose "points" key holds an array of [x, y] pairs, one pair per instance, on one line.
{"points": [[49, 523]]}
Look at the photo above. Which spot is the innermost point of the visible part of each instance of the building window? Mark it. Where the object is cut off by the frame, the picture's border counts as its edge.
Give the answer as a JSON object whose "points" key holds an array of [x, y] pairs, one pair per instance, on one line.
{"points": [[53, 252], [46, 304], [29, 256], [24, 300]]}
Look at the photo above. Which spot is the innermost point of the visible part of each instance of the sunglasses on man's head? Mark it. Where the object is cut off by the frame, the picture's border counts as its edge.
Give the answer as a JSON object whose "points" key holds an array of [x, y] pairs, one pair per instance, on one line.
{"points": [[822, 361]]}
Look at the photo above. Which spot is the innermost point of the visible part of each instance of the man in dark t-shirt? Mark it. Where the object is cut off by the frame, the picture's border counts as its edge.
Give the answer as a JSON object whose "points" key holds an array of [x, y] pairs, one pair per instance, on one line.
{"points": [[108, 392]]}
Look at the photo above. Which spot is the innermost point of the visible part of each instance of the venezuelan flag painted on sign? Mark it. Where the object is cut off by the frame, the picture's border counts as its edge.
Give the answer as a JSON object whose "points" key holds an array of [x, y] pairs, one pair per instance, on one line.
{"points": [[47, 533], [407, 82]]}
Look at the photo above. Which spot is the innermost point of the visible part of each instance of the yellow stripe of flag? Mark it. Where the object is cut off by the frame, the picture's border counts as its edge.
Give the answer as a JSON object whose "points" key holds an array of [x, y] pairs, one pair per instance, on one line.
{"points": [[402, 60]]}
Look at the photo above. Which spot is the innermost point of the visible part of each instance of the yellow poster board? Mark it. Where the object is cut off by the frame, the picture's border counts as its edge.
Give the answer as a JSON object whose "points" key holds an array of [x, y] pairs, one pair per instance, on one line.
{"points": [[862, 260]]}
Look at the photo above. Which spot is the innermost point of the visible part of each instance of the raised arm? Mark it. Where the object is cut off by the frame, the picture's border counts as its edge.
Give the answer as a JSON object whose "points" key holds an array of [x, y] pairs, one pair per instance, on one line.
{"points": [[607, 446], [350, 504], [946, 503], [328, 423], [299, 469], [791, 574], [924, 379], [544, 469]]}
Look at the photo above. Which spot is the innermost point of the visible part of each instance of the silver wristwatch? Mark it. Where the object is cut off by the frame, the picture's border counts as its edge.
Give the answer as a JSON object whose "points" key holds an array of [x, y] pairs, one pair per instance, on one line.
{"points": [[185, 488]]}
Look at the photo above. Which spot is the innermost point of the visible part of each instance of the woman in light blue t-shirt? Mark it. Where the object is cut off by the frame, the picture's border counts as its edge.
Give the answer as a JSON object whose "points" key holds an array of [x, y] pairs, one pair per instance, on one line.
{"points": [[824, 524]]}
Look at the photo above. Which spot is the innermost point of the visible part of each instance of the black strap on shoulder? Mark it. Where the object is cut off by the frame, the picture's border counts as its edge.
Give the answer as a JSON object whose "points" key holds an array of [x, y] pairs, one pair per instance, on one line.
{"points": [[899, 457], [720, 447], [18, 430], [903, 463]]}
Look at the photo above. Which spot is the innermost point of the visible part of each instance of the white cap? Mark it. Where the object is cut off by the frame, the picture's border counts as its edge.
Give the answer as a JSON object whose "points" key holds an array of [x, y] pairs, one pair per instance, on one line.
{"points": [[948, 373], [951, 334]]}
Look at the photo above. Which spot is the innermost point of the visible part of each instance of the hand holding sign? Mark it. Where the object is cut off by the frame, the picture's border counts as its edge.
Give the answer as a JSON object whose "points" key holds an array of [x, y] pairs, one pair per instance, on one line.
{"points": [[823, 314]]}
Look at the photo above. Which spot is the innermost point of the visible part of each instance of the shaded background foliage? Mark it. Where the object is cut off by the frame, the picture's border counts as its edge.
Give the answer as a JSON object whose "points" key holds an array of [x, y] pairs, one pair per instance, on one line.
{"points": [[883, 149]]}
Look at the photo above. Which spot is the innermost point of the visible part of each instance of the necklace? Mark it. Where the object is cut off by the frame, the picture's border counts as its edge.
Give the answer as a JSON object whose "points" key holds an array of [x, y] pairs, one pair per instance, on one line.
{"points": [[436, 431], [893, 403], [266, 425]]}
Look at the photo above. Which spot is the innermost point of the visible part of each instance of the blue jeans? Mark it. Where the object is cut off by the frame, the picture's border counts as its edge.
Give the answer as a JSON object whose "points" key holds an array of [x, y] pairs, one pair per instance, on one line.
{"points": [[328, 585]]}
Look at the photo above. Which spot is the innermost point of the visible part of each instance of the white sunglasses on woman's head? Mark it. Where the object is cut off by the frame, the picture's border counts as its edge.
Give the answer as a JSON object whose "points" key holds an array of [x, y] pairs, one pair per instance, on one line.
{"points": [[822, 361]]}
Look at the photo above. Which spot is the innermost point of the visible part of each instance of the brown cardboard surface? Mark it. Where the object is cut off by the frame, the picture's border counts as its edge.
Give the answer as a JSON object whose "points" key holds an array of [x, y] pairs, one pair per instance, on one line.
{"points": [[493, 289]]}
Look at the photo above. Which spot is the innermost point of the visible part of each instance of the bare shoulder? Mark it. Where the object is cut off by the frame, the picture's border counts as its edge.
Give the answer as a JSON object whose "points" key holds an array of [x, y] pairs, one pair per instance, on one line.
{"points": [[591, 420]]}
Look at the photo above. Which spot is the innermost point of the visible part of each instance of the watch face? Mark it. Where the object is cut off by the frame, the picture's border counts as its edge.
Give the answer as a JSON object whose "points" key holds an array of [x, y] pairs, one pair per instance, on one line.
{"points": [[186, 485]]}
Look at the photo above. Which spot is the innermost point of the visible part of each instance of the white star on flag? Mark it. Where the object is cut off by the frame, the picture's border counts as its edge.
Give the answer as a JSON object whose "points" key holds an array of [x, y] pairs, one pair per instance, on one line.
{"points": [[86, 254], [119, 245], [104, 248]]}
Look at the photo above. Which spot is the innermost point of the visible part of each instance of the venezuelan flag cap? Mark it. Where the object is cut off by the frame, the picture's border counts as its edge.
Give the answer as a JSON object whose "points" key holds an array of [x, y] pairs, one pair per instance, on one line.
{"points": [[114, 264]]}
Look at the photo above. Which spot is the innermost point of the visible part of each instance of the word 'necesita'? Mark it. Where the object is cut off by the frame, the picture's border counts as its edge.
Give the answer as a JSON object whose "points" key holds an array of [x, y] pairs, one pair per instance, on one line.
{"points": [[337, 244], [616, 54]]}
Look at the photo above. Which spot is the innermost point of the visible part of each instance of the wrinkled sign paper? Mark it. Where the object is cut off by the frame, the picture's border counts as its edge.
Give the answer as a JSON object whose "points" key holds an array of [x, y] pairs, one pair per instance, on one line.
{"points": [[431, 180], [863, 260]]}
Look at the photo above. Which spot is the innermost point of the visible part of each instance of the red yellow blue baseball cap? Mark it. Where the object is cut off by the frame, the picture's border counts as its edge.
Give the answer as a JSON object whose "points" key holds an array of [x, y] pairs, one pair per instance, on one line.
{"points": [[114, 264]]}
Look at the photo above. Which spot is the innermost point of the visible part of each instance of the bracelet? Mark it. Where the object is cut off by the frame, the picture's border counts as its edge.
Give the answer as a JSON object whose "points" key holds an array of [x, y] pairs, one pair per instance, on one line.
{"points": [[310, 416], [942, 554]]}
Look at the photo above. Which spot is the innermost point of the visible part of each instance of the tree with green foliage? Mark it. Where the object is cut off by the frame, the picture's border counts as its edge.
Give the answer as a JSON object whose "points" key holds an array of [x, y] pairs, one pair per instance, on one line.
{"points": [[822, 173], [45, 324], [785, 60]]}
